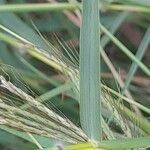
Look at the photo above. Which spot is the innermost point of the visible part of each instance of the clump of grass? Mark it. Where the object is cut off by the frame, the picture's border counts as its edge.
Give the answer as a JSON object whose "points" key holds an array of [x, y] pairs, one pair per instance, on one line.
{"points": [[21, 111], [73, 74]]}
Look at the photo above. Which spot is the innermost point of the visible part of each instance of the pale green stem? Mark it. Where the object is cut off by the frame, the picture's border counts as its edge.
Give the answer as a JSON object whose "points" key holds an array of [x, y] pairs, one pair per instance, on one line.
{"points": [[90, 103]]}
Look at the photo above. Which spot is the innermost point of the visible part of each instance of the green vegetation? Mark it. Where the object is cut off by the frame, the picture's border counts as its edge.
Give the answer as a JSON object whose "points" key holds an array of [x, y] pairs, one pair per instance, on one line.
{"points": [[74, 75]]}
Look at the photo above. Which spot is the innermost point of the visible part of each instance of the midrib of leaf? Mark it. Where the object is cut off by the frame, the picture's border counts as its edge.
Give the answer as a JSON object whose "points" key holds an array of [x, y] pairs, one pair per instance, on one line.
{"points": [[90, 105]]}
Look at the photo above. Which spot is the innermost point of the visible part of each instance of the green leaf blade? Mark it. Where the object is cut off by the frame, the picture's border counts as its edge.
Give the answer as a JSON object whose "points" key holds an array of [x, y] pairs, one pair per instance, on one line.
{"points": [[90, 70]]}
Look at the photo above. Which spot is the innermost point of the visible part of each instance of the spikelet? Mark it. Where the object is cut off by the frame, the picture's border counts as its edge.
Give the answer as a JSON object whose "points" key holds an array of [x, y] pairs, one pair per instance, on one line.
{"points": [[52, 125]]}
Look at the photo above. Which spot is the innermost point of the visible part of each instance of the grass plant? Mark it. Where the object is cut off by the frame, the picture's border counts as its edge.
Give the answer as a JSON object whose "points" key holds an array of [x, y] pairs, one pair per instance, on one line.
{"points": [[73, 108]]}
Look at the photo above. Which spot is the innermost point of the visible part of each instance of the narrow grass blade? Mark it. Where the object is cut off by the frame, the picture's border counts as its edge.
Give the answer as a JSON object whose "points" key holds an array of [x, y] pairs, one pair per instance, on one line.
{"points": [[121, 17], [124, 49], [115, 25], [38, 7], [142, 142], [139, 55], [50, 94], [137, 2], [90, 105], [140, 106], [134, 8], [35, 141], [128, 143], [45, 142]]}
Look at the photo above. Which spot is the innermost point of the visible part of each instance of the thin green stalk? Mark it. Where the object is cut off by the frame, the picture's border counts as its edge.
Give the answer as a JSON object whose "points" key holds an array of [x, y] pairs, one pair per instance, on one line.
{"points": [[120, 96], [35, 141], [24, 136], [50, 94], [131, 8], [30, 50], [9, 40], [114, 26], [121, 17], [140, 122], [124, 49], [41, 74], [135, 2], [90, 103], [40, 7], [139, 55]]}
